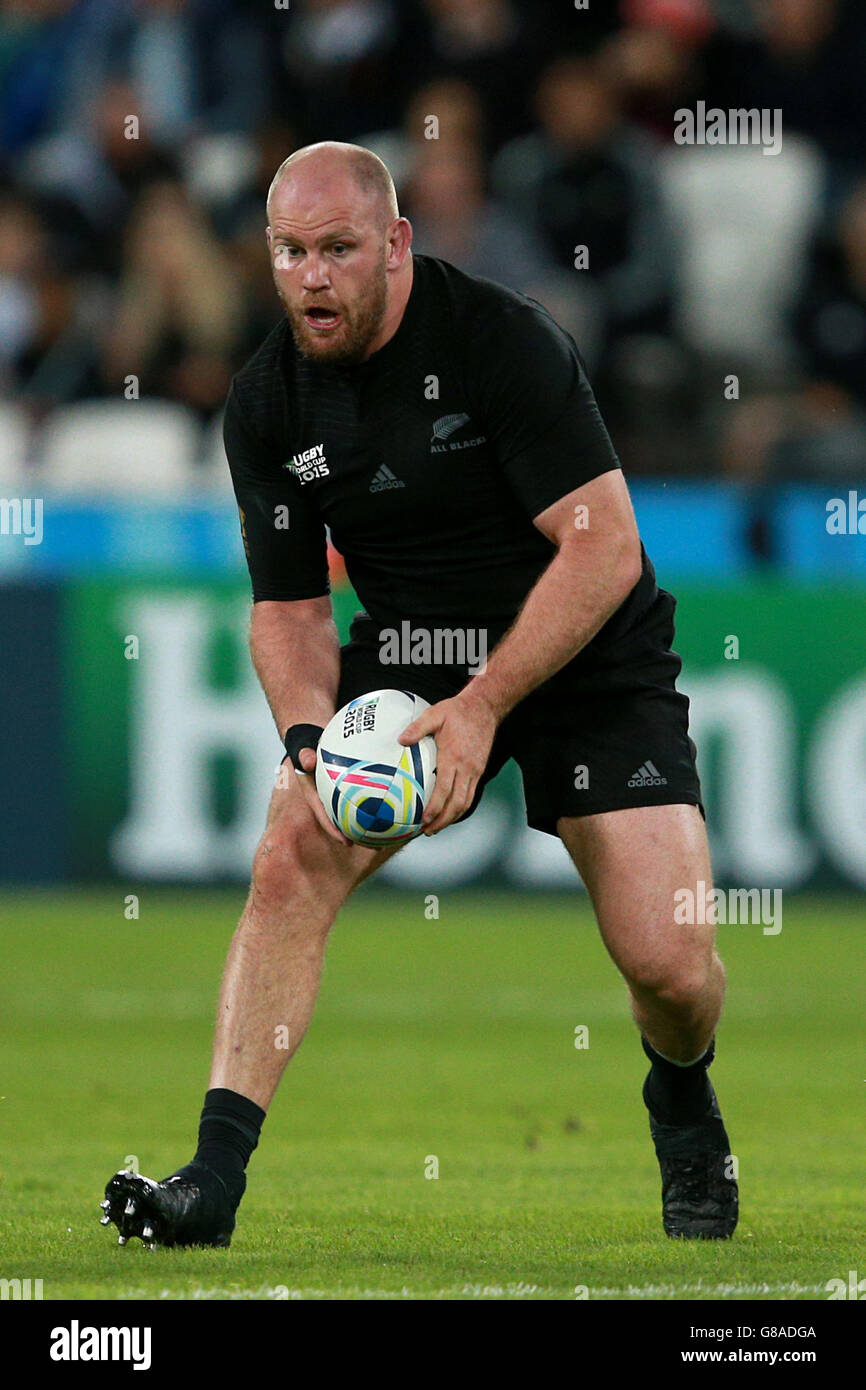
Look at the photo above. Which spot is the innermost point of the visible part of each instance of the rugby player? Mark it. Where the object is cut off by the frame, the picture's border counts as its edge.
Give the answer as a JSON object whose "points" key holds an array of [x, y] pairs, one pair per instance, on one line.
{"points": [[444, 431]]}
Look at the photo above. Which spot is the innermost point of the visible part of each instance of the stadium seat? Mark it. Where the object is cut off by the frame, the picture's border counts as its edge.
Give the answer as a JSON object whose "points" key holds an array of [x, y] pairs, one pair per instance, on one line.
{"points": [[217, 167], [14, 435], [142, 448], [744, 219]]}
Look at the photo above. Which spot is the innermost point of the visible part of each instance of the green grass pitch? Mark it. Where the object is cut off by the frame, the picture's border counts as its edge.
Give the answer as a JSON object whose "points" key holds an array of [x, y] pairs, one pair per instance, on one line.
{"points": [[449, 1039]]}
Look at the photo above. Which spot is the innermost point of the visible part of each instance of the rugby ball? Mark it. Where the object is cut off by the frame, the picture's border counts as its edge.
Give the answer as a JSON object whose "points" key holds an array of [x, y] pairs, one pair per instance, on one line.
{"points": [[374, 788]]}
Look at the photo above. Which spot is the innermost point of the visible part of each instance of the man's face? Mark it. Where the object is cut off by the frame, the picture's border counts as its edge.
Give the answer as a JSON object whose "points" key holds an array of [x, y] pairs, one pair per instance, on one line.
{"points": [[328, 259]]}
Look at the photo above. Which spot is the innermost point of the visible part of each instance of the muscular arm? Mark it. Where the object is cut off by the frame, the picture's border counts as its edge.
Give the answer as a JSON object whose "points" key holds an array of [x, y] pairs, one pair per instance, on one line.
{"points": [[592, 572], [293, 640], [296, 653], [586, 581]]}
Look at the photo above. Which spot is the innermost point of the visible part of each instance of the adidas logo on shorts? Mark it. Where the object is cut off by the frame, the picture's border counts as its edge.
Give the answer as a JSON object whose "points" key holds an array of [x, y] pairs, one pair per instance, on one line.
{"points": [[647, 775], [385, 479]]}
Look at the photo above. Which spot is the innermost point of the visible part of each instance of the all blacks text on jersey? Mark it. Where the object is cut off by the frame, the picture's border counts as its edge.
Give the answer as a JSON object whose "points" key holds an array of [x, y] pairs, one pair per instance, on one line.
{"points": [[450, 424]]}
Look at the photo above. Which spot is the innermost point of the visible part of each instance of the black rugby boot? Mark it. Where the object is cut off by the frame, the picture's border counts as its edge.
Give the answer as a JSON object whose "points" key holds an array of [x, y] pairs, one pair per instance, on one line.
{"points": [[192, 1207]]}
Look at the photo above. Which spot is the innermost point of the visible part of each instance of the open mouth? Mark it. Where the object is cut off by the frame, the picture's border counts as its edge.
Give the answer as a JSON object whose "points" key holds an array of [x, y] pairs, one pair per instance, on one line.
{"points": [[321, 318]]}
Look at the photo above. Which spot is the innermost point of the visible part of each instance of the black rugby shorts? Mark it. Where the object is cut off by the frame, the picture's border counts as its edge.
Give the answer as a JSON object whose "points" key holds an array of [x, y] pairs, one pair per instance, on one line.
{"points": [[598, 736]]}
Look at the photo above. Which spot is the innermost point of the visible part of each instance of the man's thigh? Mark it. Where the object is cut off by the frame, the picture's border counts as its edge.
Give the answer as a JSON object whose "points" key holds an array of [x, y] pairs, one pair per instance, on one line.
{"points": [[634, 862], [290, 820]]}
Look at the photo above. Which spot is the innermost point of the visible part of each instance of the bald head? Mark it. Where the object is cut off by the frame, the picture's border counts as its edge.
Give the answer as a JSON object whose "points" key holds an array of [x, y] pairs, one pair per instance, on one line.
{"points": [[340, 250], [331, 162]]}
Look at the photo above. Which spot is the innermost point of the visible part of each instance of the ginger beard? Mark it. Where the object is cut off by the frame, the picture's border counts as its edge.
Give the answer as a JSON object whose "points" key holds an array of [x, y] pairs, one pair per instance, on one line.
{"points": [[359, 321]]}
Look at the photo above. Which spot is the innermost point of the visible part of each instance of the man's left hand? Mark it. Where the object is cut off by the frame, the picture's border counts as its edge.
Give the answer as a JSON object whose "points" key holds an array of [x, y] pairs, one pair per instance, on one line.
{"points": [[464, 728]]}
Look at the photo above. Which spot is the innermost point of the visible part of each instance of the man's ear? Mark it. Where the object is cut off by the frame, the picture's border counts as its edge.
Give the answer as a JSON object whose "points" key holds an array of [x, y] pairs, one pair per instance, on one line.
{"points": [[399, 242]]}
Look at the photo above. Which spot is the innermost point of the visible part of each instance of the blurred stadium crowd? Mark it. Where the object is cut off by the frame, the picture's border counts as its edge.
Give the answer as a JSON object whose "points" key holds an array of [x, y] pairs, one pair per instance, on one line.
{"points": [[135, 247]]}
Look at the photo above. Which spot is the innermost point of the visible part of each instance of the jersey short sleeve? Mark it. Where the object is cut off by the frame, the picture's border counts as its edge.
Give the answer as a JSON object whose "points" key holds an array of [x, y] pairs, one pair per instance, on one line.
{"points": [[284, 537], [537, 406]]}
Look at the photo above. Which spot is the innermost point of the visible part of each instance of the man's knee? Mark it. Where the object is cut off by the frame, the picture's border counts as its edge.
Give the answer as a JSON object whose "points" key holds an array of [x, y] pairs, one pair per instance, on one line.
{"points": [[293, 862], [681, 985]]}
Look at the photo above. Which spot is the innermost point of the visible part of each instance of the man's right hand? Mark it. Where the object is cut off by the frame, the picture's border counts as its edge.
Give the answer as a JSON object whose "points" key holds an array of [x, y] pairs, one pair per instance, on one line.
{"points": [[307, 784]]}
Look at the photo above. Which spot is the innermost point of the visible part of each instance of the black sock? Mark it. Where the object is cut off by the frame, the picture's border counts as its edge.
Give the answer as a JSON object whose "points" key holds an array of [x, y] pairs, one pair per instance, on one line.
{"points": [[228, 1132], [677, 1095]]}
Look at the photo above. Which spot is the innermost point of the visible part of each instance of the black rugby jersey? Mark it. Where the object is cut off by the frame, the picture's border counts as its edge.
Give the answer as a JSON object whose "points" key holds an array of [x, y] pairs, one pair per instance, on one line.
{"points": [[427, 462]]}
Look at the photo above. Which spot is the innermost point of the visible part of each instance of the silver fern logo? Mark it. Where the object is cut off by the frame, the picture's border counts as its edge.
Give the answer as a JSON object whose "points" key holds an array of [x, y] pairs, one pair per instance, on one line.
{"points": [[447, 425]]}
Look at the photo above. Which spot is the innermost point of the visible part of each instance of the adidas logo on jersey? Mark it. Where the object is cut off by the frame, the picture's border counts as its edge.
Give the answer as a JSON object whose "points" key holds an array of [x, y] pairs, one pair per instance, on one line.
{"points": [[385, 479], [647, 775]]}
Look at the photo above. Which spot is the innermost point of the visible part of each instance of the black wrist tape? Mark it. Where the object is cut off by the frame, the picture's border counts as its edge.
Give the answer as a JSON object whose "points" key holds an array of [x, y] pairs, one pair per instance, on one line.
{"points": [[301, 736]]}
